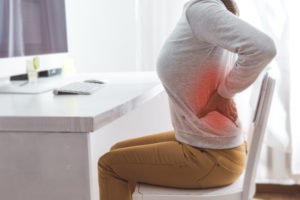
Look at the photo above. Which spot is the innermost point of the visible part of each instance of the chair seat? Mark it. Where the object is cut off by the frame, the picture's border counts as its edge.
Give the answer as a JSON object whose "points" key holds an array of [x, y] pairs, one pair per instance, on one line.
{"points": [[151, 192]]}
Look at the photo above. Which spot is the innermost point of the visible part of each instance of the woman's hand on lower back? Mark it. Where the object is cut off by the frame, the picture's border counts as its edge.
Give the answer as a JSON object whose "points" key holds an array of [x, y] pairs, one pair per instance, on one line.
{"points": [[222, 105]]}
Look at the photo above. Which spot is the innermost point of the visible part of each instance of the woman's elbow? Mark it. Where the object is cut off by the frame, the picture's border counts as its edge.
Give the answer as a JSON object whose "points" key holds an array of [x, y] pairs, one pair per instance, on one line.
{"points": [[267, 49]]}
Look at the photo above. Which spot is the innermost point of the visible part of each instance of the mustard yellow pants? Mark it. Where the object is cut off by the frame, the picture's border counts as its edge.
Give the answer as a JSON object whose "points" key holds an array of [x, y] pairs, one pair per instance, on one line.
{"points": [[160, 159]]}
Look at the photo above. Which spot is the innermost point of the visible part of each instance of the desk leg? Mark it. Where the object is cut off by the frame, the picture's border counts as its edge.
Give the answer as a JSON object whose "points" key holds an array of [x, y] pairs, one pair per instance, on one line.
{"points": [[44, 166]]}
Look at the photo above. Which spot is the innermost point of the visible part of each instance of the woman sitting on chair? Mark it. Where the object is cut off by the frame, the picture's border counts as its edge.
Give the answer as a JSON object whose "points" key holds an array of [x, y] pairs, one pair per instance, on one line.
{"points": [[209, 57]]}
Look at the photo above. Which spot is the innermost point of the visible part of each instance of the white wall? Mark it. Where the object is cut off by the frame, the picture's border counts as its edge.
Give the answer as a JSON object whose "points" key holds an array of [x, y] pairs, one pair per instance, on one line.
{"points": [[101, 34]]}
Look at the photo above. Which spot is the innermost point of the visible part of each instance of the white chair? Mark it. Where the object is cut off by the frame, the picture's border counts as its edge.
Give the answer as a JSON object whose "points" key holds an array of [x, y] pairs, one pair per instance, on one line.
{"points": [[244, 187]]}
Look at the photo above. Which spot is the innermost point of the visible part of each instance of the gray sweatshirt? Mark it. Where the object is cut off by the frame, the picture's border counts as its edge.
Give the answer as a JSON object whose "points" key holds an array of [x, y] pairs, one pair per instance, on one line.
{"points": [[210, 50]]}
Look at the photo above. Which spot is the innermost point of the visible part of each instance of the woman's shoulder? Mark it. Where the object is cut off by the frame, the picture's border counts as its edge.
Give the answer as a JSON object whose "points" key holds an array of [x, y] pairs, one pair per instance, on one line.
{"points": [[203, 4], [203, 10]]}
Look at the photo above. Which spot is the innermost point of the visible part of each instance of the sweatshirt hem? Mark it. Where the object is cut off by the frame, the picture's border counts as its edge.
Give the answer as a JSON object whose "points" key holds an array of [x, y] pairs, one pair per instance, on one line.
{"points": [[199, 141]]}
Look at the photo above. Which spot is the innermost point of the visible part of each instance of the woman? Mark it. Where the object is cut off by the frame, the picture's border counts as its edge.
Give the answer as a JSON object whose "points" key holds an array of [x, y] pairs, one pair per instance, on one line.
{"points": [[201, 74]]}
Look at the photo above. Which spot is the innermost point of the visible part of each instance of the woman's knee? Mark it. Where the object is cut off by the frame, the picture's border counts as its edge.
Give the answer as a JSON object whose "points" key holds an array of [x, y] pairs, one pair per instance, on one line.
{"points": [[103, 161]]}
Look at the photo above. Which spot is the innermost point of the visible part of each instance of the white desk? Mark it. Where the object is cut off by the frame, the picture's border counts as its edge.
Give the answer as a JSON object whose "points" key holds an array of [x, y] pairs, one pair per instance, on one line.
{"points": [[45, 140]]}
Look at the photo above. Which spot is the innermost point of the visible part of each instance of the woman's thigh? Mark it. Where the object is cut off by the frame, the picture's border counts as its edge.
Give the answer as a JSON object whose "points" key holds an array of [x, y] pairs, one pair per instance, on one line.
{"points": [[148, 139], [167, 163]]}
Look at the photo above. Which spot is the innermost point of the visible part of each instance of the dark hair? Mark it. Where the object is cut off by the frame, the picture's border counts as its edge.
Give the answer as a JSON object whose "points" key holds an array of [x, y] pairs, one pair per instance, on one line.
{"points": [[231, 6]]}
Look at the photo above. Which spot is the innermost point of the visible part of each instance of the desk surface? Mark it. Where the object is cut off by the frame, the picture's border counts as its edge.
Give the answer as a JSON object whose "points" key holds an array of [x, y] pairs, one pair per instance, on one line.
{"points": [[47, 112]]}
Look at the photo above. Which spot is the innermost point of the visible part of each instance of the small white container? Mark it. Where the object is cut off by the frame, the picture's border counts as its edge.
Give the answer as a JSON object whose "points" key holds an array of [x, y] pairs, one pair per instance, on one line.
{"points": [[31, 72]]}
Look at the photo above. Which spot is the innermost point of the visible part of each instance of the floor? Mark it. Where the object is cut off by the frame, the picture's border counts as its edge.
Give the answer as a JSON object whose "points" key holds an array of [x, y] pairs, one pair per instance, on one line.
{"points": [[277, 196], [277, 192]]}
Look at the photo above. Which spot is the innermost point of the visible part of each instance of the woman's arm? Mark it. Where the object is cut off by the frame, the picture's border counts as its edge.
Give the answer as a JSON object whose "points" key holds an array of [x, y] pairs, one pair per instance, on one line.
{"points": [[211, 22]]}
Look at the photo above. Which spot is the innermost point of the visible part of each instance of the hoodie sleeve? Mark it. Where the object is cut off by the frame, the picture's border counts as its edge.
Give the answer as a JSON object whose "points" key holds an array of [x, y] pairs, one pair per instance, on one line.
{"points": [[211, 22]]}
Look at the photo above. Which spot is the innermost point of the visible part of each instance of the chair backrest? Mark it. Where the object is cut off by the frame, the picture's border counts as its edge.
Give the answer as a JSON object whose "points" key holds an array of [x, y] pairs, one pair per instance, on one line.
{"points": [[257, 133]]}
